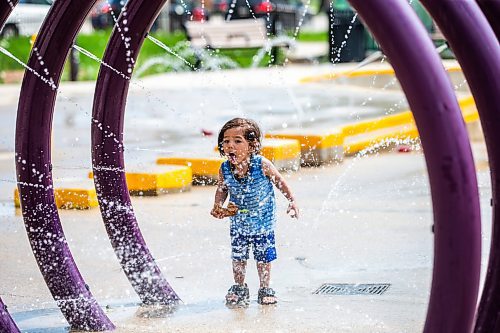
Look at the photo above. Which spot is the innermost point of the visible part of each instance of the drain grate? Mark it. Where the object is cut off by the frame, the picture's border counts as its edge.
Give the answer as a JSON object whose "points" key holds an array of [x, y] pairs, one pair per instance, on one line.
{"points": [[352, 289]]}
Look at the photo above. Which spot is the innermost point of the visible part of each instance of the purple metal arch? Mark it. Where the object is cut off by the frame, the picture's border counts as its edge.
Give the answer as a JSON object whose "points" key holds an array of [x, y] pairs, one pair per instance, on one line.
{"points": [[6, 7], [476, 48], [457, 227], [7, 324], [107, 155], [34, 170], [491, 9]]}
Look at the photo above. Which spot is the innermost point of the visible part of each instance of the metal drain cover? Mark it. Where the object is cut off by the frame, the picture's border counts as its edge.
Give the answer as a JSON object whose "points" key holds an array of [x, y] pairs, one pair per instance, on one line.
{"points": [[352, 289]]}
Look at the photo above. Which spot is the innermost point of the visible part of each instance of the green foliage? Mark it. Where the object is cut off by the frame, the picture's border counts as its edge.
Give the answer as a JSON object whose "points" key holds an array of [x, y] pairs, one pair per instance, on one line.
{"points": [[310, 36], [20, 47], [152, 59], [95, 43]]}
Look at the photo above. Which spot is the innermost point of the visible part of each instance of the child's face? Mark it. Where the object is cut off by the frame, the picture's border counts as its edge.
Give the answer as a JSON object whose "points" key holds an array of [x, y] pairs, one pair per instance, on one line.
{"points": [[235, 146]]}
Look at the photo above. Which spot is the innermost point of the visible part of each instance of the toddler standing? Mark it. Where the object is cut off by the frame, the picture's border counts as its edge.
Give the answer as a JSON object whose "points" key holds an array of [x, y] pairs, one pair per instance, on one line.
{"points": [[248, 178]]}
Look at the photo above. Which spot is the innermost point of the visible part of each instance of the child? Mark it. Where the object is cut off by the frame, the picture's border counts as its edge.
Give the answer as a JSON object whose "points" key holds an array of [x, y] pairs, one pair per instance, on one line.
{"points": [[248, 178]]}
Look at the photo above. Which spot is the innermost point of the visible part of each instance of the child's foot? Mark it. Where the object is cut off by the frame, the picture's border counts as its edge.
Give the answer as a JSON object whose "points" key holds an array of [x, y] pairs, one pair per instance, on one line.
{"points": [[267, 296], [238, 296]]}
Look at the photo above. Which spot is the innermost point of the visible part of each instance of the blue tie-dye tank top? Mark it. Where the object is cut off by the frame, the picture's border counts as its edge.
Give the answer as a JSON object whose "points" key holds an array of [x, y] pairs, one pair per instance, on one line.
{"points": [[254, 196]]}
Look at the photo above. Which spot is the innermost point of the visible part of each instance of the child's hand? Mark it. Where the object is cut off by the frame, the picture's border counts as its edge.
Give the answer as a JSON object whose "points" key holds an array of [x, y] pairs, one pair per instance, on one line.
{"points": [[293, 210], [231, 209], [217, 212], [220, 212]]}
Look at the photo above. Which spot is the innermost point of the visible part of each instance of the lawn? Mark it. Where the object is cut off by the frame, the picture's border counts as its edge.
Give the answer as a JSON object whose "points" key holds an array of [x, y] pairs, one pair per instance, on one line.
{"points": [[152, 58]]}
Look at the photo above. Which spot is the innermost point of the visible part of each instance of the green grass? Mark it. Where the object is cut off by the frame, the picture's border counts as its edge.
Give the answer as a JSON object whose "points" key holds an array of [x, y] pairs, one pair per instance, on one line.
{"points": [[20, 47], [154, 58], [306, 36], [96, 44]]}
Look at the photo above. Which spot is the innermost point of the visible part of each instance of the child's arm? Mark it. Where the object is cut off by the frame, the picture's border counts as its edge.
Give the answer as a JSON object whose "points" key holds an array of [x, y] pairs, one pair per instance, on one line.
{"points": [[278, 180], [220, 197]]}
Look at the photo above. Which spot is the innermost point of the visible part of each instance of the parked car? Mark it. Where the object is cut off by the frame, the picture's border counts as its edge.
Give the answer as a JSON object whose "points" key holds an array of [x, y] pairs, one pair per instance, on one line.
{"points": [[283, 14], [26, 18]]}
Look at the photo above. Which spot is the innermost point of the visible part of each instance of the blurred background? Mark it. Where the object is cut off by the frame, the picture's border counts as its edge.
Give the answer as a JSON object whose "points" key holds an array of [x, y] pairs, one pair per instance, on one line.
{"points": [[319, 27]]}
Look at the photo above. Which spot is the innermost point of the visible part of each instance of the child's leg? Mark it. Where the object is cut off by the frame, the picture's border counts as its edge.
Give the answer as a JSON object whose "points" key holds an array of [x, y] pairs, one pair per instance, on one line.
{"points": [[264, 269], [264, 254], [238, 294], [268, 296], [264, 251], [239, 271]]}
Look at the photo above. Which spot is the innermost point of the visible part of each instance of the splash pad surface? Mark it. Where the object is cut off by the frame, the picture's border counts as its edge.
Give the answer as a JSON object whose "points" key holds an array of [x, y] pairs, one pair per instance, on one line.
{"points": [[367, 220]]}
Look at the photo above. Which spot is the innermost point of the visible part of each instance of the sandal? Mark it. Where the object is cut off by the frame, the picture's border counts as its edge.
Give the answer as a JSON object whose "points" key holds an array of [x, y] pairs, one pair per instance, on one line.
{"points": [[238, 295], [266, 293]]}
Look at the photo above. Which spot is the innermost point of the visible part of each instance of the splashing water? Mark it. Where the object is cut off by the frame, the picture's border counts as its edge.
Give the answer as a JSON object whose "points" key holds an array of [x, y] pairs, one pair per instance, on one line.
{"points": [[93, 57], [50, 82], [169, 50], [270, 43], [333, 193], [344, 42]]}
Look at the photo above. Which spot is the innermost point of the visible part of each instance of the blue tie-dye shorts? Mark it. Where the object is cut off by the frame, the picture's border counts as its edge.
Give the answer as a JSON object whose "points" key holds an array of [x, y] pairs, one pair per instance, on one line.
{"points": [[263, 245]]}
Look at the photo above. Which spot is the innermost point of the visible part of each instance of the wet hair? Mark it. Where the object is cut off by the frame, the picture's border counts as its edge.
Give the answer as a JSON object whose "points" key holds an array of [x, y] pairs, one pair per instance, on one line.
{"points": [[251, 133]]}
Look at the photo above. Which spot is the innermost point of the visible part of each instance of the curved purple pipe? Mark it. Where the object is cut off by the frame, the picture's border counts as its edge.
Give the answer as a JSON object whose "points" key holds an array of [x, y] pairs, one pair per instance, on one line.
{"points": [[457, 225], [7, 324], [6, 7], [476, 48], [491, 9], [34, 170], [107, 154]]}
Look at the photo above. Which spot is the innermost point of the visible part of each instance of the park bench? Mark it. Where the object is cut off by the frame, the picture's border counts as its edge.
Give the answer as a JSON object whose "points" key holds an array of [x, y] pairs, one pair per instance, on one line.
{"points": [[234, 34]]}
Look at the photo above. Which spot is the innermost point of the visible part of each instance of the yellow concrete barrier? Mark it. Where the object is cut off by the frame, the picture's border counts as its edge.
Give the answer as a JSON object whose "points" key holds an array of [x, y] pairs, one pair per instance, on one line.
{"points": [[381, 139], [70, 197], [471, 118], [283, 153], [205, 169], [158, 180], [379, 70], [347, 73], [469, 109], [362, 135], [317, 147], [365, 126]]}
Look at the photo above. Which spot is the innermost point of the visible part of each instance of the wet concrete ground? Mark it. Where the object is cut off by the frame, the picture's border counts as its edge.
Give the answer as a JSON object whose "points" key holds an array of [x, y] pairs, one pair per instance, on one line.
{"points": [[364, 221], [367, 220]]}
